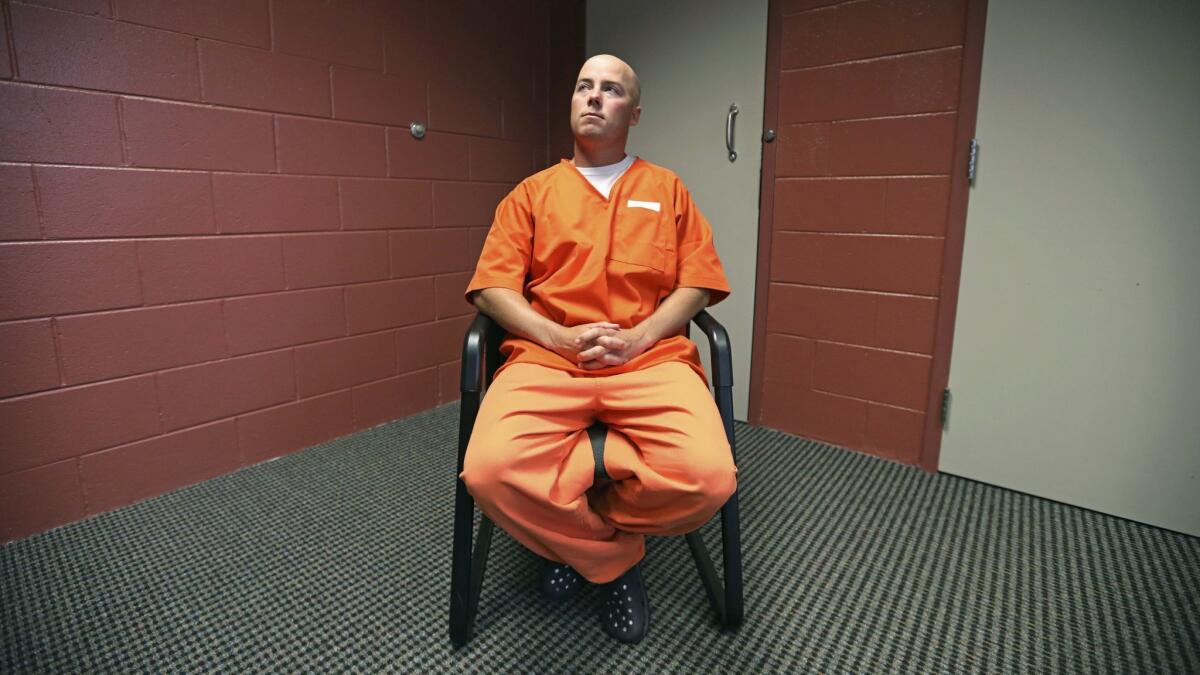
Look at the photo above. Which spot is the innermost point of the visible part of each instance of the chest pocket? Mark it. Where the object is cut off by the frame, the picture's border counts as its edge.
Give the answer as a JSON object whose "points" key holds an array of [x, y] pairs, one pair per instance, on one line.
{"points": [[644, 237]]}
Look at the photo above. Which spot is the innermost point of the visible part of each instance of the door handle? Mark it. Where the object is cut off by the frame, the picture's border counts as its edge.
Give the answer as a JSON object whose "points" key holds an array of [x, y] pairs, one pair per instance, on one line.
{"points": [[729, 120]]}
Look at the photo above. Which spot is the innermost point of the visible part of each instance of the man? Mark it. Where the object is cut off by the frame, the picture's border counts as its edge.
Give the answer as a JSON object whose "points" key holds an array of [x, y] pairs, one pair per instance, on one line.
{"points": [[594, 267]]}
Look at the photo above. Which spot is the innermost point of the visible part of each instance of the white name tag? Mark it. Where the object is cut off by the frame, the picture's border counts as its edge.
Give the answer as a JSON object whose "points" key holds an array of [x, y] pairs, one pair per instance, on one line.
{"points": [[635, 204]]}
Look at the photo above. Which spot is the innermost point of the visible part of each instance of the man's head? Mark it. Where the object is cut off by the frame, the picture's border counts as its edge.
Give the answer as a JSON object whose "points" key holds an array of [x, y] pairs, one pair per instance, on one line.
{"points": [[605, 103]]}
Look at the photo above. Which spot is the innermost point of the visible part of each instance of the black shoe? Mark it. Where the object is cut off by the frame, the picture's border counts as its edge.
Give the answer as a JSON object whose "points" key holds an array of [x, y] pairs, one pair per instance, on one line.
{"points": [[626, 610], [559, 582]]}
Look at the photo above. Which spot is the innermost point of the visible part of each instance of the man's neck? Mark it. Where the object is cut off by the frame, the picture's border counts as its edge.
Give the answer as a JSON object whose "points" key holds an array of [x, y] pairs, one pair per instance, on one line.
{"points": [[597, 156]]}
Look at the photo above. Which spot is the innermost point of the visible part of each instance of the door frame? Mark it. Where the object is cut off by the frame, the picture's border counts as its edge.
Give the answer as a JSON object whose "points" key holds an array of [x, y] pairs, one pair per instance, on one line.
{"points": [[766, 210], [956, 221]]}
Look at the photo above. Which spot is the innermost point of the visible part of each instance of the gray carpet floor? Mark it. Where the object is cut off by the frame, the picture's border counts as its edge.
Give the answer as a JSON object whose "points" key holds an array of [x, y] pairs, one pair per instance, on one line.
{"points": [[336, 559]]}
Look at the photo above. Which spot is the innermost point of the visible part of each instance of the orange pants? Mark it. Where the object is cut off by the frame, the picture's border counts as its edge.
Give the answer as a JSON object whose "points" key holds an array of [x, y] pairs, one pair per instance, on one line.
{"points": [[529, 464]]}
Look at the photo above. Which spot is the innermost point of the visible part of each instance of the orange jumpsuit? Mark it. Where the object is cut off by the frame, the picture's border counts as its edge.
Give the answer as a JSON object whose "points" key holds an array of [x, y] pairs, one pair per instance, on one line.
{"points": [[579, 258]]}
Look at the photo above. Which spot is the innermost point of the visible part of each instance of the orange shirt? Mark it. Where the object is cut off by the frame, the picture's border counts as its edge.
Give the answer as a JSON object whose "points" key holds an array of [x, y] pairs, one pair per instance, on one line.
{"points": [[578, 257]]}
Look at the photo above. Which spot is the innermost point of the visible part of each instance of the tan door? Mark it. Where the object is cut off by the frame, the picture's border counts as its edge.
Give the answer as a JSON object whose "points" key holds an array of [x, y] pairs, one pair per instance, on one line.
{"points": [[695, 58], [1075, 365]]}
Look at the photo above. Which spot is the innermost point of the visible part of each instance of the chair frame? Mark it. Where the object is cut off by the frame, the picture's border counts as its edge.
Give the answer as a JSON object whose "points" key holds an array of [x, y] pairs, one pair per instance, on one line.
{"points": [[480, 360]]}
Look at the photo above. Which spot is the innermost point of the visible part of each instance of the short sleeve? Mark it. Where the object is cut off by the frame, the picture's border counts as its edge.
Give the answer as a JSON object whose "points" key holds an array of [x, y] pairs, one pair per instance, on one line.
{"points": [[699, 266], [505, 258]]}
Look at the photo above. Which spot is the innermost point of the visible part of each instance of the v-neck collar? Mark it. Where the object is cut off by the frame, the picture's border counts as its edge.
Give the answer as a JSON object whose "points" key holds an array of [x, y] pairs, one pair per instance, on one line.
{"points": [[611, 191]]}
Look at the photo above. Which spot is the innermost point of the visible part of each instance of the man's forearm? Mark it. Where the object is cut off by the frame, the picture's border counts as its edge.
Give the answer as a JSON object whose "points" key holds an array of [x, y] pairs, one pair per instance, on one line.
{"points": [[511, 310], [673, 313]]}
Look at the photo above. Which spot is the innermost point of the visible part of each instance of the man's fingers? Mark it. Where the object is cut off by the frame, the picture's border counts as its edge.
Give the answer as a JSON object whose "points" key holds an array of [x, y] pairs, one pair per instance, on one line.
{"points": [[592, 353], [606, 360], [593, 333], [612, 342], [587, 336]]}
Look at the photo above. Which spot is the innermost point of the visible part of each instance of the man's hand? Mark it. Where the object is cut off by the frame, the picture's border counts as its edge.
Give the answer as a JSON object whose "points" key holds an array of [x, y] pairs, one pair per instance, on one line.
{"points": [[619, 347], [570, 341], [614, 349]]}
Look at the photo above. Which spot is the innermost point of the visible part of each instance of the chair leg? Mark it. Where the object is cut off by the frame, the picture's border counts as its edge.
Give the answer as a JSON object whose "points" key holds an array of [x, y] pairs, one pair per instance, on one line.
{"points": [[470, 565], [483, 544], [460, 577], [465, 577], [731, 545], [708, 574], [726, 599]]}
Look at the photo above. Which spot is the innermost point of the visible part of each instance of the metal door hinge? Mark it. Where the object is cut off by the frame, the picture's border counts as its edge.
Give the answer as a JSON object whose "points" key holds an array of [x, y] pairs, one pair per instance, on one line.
{"points": [[971, 161], [946, 408]]}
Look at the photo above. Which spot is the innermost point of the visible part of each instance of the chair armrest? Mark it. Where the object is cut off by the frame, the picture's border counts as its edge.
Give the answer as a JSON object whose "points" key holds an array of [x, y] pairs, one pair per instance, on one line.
{"points": [[719, 349], [472, 354]]}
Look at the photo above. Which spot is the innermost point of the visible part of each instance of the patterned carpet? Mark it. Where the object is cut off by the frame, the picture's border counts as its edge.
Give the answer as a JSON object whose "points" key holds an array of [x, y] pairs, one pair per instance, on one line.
{"points": [[336, 559]]}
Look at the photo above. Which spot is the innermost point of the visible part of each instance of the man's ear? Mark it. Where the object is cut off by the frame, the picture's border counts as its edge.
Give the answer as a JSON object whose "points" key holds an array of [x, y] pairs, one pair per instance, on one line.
{"points": [[635, 116]]}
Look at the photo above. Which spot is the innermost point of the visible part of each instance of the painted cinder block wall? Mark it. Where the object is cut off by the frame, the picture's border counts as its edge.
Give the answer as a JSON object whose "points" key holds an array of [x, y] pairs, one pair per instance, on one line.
{"points": [[219, 242], [868, 97]]}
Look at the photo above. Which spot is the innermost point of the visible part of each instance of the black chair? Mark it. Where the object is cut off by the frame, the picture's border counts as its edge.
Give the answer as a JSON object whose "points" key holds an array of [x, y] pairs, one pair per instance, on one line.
{"points": [[480, 360]]}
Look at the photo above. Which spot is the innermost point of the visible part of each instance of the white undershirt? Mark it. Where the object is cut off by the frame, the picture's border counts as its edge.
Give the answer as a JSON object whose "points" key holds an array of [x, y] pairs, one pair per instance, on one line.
{"points": [[603, 177]]}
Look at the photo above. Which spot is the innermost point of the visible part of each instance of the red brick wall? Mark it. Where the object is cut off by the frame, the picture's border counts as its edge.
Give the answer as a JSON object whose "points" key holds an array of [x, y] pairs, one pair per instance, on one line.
{"points": [[220, 243], [868, 92]]}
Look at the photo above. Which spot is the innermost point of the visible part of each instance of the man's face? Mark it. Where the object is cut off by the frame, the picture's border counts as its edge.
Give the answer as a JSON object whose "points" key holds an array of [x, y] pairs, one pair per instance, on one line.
{"points": [[602, 107]]}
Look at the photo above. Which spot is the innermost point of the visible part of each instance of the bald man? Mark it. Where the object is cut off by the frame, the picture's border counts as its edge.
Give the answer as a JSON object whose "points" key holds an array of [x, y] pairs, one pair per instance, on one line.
{"points": [[594, 267]]}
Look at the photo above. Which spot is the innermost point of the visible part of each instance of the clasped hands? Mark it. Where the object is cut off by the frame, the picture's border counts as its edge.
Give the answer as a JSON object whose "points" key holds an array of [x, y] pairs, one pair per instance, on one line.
{"points": [[601, 344]]}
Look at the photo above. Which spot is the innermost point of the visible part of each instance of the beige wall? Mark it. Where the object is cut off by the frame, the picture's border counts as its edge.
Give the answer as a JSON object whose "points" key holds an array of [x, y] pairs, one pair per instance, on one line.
{"points": [[1075, 366]]}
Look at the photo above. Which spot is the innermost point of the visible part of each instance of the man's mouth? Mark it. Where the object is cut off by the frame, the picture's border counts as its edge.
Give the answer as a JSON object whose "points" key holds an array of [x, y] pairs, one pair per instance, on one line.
{"points": [[590, 114]]}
